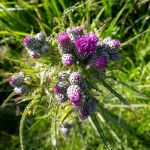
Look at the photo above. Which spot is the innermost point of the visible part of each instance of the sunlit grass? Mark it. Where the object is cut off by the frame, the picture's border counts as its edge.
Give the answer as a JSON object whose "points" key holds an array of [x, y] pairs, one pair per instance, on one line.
{"points": [[119, 19]]}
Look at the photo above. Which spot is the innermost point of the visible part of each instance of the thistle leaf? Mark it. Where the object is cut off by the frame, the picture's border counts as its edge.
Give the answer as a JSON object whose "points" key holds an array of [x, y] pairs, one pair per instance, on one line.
{"points": [[31, 104], [54, 126]]}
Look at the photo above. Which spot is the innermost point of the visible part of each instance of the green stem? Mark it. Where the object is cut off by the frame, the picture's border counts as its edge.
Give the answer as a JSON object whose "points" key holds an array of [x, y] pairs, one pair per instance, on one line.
{"points": [[100, 132]]}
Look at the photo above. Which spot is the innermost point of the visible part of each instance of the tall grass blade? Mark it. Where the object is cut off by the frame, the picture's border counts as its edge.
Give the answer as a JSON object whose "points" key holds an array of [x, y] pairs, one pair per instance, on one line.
{"points": [[8, 98], [109, 116], [122, 99], [129, 86], [100, 131]]}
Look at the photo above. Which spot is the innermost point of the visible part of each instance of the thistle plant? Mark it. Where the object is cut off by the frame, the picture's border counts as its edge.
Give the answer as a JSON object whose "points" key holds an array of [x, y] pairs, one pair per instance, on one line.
{"points": [[69, 69]]}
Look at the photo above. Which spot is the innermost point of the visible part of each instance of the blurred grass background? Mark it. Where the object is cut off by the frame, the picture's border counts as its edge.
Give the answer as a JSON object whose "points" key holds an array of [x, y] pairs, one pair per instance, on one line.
{"points": [[122, 19]]}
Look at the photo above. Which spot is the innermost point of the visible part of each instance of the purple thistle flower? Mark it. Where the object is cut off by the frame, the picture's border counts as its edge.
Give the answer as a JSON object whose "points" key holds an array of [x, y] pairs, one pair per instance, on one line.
{"points": [[20, 89], [116, 43], [11, 80], [16, 81], [67, 59], [86, 44], [63, 38], [101, 62], [56, 89], [75, 78], [26, 40], [32, 44], [74, 93]]}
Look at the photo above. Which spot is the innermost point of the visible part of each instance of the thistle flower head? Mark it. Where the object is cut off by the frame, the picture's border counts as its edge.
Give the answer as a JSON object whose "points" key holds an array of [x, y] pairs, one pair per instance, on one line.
{"points": [[20, 89], [16, 81], [101, 62], [86, 44], [75, 78], [63, 38], [56, 89], [32, 44], [67, 59], [115, 43], [11, 80], [26, 40], [74, 93], [77, 105]]}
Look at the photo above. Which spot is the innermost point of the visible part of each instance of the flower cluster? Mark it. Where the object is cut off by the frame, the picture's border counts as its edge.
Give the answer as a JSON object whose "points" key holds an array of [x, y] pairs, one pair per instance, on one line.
{"points": [[36, 46], [17, 82], [71, 86], [77, 46]]}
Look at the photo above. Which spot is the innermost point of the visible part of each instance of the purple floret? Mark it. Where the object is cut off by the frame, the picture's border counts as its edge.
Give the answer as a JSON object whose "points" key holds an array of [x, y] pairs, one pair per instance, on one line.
{"points": [[67, 59], [74, 94], [101, 62], [56, 89], [26, 40], [11, 80], [75, 97], [63, 38], [116, 43], [86, 44]]}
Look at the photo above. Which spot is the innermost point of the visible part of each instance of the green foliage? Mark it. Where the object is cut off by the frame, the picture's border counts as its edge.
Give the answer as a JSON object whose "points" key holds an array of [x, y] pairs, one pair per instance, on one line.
{"points": [[125, 127]]}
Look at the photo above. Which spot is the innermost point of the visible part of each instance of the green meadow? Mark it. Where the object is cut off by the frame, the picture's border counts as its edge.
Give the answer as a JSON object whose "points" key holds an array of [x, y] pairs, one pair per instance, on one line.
{"points": [[23, 126]]}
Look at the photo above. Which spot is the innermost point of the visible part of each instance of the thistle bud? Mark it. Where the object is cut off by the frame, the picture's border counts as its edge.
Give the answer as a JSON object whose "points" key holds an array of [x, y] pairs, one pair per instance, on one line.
{"points": [[67, 59], [40, 36], [101, 62], [20, 89], [74, 93]]}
